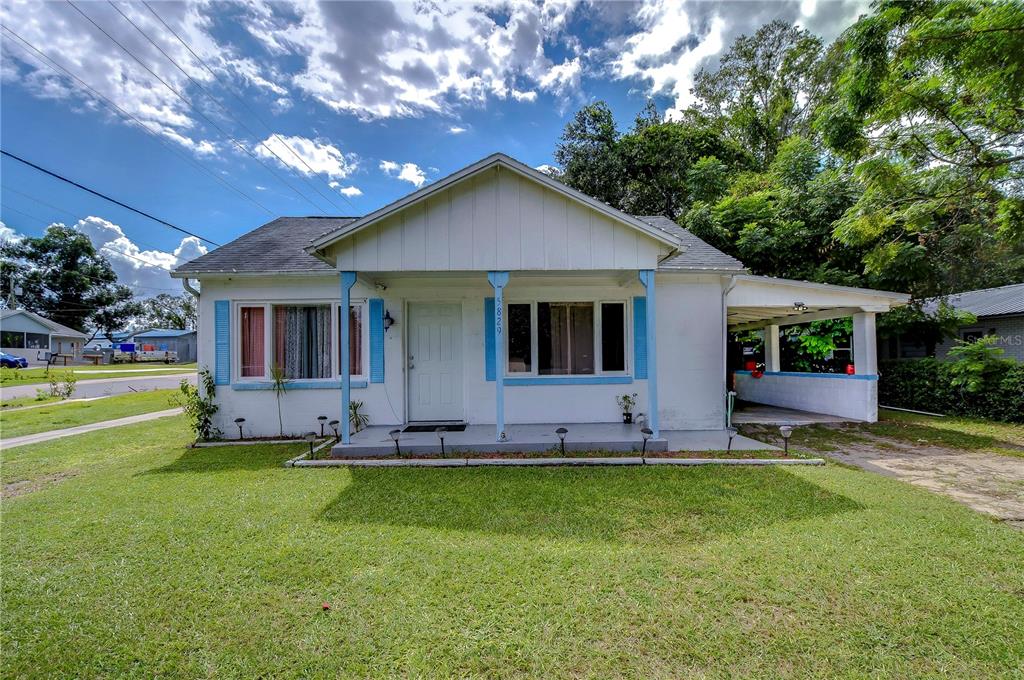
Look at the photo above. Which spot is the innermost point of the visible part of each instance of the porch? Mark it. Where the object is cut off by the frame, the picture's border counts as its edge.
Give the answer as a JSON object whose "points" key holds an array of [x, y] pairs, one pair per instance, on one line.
{"points": [[538, 438]]}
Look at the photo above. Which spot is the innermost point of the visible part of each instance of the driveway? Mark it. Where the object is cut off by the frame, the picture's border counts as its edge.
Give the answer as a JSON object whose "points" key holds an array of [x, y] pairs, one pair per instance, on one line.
{"points": [[988, 482], [105, 386]]}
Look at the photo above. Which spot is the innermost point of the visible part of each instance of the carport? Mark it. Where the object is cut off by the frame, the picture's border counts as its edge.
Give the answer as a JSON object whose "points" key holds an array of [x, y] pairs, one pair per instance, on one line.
{"points": [[768, 304]]}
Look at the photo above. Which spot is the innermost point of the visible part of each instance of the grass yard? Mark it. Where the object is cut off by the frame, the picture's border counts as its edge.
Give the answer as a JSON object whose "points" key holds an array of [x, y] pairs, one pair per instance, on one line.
{"points": [[37, 376], [965, 434], [127, 554], [61, 415]]}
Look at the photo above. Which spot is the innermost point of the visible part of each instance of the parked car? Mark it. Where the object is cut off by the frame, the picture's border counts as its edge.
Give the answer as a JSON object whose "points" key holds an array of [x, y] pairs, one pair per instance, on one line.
{"points": [[11, 361]]}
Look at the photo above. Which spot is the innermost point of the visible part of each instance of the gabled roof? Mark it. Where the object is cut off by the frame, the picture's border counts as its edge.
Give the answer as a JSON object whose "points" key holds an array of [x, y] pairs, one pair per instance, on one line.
{"points": [[494, 160], [276, 247], [55, 328], [1002, 301]]}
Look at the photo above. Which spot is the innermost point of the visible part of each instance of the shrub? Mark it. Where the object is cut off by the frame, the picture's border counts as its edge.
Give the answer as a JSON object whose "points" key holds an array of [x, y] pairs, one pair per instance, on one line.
{"points": [[199, 406], [977, 385], [62, 385]]}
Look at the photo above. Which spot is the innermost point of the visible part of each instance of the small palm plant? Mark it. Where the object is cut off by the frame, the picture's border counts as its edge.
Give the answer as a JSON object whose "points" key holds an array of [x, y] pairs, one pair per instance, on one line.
{"points": [[356, 417], [280, 380]]}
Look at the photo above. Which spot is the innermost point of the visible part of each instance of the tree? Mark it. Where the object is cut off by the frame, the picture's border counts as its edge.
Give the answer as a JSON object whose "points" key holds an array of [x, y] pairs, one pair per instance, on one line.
{"points": [[930, 111], [64, 279], [766, 87], [169, 311], [588, 155]]}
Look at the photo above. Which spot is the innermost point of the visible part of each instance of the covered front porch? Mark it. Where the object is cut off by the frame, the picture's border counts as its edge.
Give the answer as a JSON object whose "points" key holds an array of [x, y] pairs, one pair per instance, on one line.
{"points": [[769, 304], [538, 438]]}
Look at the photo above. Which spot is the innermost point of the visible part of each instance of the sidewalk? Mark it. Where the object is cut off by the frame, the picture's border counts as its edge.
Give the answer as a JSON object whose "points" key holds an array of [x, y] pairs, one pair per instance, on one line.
{"points": [[82, 429]]}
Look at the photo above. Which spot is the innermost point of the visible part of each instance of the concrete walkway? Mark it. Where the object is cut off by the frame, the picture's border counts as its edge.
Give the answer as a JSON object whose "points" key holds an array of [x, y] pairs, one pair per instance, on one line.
{"points": [[106, 386], [82, 429]]}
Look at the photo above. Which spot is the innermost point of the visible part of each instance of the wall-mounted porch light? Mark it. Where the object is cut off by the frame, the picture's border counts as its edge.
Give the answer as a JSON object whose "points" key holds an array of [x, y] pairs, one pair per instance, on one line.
{"points": [[388, 321]]}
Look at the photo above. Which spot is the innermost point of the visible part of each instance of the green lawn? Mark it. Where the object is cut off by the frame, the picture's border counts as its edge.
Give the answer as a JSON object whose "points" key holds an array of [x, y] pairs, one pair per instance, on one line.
{"points": [[61, 415], [965, 434], [135, 556], [37, 376]]}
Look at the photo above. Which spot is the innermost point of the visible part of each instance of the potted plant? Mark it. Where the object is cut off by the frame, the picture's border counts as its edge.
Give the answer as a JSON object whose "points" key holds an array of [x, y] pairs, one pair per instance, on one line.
{"points": [[626, 402]]}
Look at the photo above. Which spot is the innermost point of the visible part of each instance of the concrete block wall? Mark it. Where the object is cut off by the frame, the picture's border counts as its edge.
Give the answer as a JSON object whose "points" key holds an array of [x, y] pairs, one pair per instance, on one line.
{"points": [[846, 396]]}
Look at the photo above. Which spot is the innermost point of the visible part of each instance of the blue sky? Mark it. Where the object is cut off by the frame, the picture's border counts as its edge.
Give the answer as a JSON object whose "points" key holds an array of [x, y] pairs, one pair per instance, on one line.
{"points": [[263, 109]]}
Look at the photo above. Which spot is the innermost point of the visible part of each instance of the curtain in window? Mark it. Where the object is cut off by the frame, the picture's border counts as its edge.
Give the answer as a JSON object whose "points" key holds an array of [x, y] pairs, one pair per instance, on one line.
{"points": [[302, 341], [565, 339], [355, 339], [252, 342]]}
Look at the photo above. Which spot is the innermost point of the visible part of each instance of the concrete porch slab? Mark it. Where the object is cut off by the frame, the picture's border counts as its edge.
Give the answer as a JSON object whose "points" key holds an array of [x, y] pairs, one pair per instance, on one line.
{"points": [[538, 438], [748, 413]]}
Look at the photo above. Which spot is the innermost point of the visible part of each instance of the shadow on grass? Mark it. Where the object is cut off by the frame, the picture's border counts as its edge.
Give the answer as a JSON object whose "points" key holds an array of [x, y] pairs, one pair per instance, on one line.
{"points": [[635, 505], [223, 458], [958, 439]]}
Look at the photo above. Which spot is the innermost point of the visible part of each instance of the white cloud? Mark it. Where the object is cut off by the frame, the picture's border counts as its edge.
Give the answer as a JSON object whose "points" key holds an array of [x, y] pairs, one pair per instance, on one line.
{"points": [[562, 78], [8, 235], [381, 60], [351, 191], [520, 96], [409, 172], [307, 156], [143, 270], [68, 39], [550, 170], [456, 130]]}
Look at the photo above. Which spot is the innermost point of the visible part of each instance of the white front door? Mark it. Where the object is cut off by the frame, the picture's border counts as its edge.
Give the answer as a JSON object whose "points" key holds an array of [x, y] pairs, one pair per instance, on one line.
{"points": [[435, 361]]}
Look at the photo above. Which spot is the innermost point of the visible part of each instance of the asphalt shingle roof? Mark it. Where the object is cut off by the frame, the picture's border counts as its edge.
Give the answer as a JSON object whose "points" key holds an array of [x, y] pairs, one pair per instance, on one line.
{"points": [[278, 246], [275, 247], [986, 302], [698, 255]]}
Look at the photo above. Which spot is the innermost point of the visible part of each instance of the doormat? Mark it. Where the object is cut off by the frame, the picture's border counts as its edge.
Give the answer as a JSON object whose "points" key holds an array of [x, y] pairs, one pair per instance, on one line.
{"points": [[460, 427]]}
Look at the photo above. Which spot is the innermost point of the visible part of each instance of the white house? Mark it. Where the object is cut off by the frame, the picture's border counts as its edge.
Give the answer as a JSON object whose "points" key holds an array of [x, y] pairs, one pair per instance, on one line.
{"points": [[495, 296], [34, 337]]}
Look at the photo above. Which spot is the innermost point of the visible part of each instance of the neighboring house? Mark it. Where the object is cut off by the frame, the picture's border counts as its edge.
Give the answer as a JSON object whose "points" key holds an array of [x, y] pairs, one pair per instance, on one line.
{"points": [[999, 312], [168, 340], [105, 342], [500, 296], [32, 336]]}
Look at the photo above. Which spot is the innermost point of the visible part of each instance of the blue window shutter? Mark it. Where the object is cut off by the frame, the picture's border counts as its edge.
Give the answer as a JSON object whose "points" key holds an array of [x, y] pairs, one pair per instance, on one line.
{"points": [[489, 337], [376, 340], [640, 338], [222, 342]]}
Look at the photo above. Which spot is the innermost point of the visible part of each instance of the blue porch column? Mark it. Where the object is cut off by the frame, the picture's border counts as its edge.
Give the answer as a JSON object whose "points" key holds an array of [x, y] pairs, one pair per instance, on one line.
{"points": [[498, 281], [348, 279], [647, 278]]}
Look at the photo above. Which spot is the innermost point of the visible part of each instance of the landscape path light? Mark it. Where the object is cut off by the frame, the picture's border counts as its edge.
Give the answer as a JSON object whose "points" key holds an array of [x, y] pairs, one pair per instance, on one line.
{"points": [[732, 433], [786, 431], [647, 433], [322, 420], [334, 426], [239, 422], [395, 434], [310, 438], [440, 435], [561, 432]]}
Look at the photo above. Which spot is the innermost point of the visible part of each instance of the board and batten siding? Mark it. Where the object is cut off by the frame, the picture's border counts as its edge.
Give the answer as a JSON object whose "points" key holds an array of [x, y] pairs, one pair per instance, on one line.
{"points": [[497, 220]]}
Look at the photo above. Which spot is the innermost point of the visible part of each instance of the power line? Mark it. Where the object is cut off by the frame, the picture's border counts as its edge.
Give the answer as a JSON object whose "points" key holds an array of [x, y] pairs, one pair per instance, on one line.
{"points": [[105, 197], [227, 86], [57, 68], [216, 101], [74, 216], [192, 106]]}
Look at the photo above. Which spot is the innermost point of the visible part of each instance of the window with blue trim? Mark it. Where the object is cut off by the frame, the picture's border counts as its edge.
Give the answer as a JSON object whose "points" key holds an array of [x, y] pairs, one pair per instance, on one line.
{"points": [[566, 338]]}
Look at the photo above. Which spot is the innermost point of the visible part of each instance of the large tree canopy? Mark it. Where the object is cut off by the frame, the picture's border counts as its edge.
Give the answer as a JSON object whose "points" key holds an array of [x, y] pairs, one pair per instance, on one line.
{"points": [[63, 278], [169, 311], [930, 113]]}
